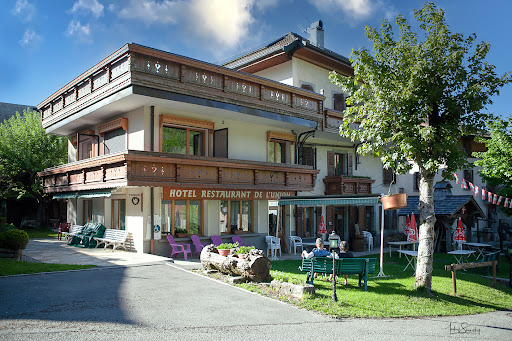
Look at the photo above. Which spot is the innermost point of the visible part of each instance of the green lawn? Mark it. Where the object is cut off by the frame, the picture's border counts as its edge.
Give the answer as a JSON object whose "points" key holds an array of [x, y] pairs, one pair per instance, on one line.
{"points": [[13, 267], [41, 233], [395, 296]]}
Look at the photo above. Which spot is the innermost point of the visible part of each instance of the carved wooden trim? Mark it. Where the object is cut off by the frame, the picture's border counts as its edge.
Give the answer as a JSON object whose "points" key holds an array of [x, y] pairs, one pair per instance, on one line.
{"points": [[112, 125], [280, 136], [188, 122]]}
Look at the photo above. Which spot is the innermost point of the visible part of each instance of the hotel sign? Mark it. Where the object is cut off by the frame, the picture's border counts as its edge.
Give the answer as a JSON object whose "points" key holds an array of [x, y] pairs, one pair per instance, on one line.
{"points": [[214, 194]]}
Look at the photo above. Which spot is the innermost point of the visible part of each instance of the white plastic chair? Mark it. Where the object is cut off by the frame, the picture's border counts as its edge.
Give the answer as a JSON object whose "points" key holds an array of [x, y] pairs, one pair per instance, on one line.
{"points": [[296, 242], [368, 236], [273, 245]]}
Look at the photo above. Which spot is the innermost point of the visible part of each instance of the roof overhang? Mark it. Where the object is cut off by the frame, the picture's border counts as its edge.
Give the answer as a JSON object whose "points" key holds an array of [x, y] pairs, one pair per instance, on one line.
{"points": [[330, 200]]}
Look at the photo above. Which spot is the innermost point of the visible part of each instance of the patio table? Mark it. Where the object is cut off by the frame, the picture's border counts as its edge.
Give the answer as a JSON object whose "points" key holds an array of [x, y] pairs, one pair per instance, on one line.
{"points": [[411, 258], [460, 255], [400, 244], [479, 248]]}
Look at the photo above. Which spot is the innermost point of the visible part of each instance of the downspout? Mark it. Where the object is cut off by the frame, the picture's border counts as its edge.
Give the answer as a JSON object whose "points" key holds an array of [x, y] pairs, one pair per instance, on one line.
{"points": [[151, 189]]}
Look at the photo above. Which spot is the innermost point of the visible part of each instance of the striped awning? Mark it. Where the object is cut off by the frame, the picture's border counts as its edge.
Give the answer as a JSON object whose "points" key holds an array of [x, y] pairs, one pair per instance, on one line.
{"points": [[329, 201], [94, 194]]}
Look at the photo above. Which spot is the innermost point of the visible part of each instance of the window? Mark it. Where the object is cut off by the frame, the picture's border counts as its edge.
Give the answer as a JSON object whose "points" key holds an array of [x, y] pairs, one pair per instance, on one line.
{"points": [[339, 102], [115, 137], [88, 145], [468, 175], [182, 135], [182, 214], [307, 87], [235, 215], [339, 164], [279, 147], [308, 156], [118, 214], [416, 181], [87, 212], [388, 176]]}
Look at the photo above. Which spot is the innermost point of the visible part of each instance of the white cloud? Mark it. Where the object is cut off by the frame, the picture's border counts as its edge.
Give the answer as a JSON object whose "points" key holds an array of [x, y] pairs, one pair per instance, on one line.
{"points": [[24, 10], [30, 38], [355, 9], [76, 29], [217, 25], [93, 6]]}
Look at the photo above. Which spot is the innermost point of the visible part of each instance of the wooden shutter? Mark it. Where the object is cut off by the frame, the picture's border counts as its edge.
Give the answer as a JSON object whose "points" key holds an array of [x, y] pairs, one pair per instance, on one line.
{"points": [[387, 176], [349, 164], [339, 102], [220, 143], [330, 163], [308, 156]]}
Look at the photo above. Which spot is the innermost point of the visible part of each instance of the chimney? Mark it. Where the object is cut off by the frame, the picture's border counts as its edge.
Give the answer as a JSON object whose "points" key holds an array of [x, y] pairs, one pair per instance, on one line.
{"points": [[316, 33]]}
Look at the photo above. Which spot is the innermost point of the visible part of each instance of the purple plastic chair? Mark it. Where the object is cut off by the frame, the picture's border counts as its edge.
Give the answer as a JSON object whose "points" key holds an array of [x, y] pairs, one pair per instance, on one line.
{"points": [[178, 248], [216, 240], [197, 243], [238, 239]]}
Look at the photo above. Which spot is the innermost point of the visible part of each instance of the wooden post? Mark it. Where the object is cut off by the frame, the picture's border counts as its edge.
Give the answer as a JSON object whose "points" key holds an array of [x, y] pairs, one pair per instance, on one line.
{"points": [[494, 273], [454, 279]]}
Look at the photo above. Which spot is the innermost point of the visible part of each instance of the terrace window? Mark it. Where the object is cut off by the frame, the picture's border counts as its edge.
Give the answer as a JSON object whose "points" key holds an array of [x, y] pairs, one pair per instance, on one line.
{"points": [[181, 135], [279, 147], [236, 215]]}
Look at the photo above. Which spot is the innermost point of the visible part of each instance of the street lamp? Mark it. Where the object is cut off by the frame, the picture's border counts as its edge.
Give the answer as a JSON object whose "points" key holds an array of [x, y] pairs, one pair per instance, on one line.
{"points": [[334, 243]]}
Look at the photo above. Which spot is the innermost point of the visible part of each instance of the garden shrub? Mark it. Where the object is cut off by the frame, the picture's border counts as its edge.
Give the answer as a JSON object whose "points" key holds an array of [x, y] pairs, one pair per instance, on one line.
{"points": [[13, 239]]}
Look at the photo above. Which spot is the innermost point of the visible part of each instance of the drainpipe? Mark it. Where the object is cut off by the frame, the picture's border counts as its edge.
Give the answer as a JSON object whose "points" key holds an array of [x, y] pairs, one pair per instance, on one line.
{"points": [[151, 189]]}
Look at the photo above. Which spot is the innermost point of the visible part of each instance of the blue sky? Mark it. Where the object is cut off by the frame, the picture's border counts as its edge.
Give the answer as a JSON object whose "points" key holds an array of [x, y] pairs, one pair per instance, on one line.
{"points": [[45, 44]]}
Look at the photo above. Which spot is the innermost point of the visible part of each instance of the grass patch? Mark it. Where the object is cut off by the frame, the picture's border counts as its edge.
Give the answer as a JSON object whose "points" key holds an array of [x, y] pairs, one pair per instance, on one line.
{"points": [[395, 296], [13, 267], [44, 232]]}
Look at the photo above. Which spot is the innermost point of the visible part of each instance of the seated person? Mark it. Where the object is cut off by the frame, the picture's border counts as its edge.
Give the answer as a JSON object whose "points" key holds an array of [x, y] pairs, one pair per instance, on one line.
{"points": [[344, 253], [319, 251]]}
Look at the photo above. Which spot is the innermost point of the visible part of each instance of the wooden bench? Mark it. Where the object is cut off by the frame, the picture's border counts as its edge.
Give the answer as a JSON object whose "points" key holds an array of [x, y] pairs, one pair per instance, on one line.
{"points": [[116, 238], [343, 266], [75, 229]]}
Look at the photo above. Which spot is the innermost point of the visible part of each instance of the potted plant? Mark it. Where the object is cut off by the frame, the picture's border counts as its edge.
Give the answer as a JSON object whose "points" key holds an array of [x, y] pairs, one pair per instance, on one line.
{"points": [[394, 201], [225, 248], [243, 251], [181, 233]]}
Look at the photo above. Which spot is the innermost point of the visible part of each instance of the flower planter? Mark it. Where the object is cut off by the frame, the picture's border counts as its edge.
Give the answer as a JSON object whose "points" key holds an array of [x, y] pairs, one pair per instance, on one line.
{"points": [[182, 235], [238, 231], [394, 201], [242, 255], [224, 252]]}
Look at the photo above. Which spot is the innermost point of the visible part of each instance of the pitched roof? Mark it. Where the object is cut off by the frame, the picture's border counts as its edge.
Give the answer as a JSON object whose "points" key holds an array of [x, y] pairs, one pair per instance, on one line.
{"points": [[287, 43], [443, 205], [7, 110]]}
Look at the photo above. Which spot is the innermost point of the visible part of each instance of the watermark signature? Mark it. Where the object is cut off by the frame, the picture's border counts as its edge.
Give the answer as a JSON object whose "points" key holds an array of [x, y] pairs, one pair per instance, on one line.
{"points": [[463, 328]]}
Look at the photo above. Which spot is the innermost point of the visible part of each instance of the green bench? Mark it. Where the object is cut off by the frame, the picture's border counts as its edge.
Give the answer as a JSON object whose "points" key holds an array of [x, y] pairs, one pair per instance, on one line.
{"points": [[343, 266]]}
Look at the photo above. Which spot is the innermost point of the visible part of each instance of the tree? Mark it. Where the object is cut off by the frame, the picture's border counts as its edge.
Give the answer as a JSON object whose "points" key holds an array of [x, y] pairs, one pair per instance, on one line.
{"points": [[26, 149], [496, 161], [413, 98]]}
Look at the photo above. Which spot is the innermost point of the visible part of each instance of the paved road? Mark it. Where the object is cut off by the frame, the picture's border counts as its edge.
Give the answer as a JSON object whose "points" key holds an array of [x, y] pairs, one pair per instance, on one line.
{"points": [[162, 301]]}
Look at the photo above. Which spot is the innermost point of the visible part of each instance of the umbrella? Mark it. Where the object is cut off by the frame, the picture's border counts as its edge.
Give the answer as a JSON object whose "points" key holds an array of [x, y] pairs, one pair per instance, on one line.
{"points": [[407, 226], [321, 228], [413, 230], [460, 237]]}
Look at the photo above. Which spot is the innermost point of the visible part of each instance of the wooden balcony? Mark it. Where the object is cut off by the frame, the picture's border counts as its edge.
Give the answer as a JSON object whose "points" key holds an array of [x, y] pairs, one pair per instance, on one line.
{"points": [[139, 168], [138, 66], [339, 184]]}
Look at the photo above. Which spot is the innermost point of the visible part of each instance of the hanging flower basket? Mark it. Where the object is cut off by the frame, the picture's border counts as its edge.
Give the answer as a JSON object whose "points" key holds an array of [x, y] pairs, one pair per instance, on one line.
{"points": [[394, 201]]}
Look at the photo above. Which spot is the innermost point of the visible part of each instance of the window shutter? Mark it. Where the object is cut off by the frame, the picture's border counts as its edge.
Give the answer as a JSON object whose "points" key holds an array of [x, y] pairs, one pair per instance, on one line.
{"points": [[308, 157], [349, 164], [220, 143], [339, 102], [387, 176], [307, 87], [330, 163]]}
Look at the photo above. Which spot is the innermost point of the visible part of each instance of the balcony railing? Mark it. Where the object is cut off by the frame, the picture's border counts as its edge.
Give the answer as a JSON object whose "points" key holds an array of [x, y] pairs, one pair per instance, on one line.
{"points": [[139, 168], [339, 184], [135, 65]]}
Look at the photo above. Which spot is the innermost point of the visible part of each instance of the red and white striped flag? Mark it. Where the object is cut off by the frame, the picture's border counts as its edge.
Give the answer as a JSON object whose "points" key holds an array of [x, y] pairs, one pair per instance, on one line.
{"points": [[489, 196], [477, 190], [499, 200], [494, 199], [483, 194], [464, 184], [506, 202], [456, 178], [471, 186]]}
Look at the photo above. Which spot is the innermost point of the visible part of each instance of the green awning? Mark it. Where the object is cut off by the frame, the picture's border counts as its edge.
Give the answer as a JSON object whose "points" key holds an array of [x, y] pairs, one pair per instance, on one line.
{"points": [[66, 195], [329, 201], [94, 194]]}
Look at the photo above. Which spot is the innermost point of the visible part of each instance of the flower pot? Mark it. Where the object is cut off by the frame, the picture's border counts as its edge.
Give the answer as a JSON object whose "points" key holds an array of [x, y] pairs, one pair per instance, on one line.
{"points": [[394, 201], [224, 252], [242, 255], [238, 231], [182, 235]]}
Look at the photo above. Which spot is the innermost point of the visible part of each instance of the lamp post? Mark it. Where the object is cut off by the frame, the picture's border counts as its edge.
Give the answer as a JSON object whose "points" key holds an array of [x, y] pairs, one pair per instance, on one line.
{"points": [[334, 243]]}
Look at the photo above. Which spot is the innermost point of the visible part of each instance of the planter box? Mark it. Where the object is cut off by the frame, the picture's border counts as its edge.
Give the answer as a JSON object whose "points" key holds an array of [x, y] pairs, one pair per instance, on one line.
{"points": [[182, 235]]}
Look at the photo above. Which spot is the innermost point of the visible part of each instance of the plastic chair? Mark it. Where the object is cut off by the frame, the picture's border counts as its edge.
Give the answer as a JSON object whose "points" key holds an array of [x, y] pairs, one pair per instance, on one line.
{"points": [[273, 245], [197, 244], [178, 248], [63, 227], [368, 236], [238, 239], [296, 242], [216, 240]]}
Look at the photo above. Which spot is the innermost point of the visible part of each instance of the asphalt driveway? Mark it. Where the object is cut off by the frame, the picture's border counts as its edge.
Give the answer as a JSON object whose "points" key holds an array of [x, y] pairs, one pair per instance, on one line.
{"points": [[162, 301]]}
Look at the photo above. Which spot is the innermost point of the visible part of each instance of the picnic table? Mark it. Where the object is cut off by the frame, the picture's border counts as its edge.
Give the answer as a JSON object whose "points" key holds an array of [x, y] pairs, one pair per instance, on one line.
{"points": [[400, 244], [479, 248], [411, 257], [461, 255]]}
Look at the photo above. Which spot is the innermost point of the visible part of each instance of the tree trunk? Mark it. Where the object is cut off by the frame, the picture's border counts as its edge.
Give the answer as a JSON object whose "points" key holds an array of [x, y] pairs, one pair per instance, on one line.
{"points": [[426, 232], [255, 267]]}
